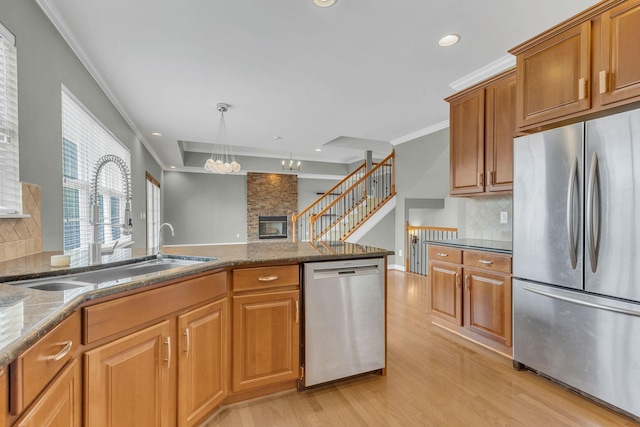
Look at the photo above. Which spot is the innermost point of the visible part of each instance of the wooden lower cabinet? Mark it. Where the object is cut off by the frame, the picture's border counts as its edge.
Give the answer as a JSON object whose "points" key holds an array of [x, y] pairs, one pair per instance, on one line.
{"points": [[59, 405], [446, 291], [4, 396], [266, 336], [487, 304], [202, 362], [127, 381], [471, 294]]}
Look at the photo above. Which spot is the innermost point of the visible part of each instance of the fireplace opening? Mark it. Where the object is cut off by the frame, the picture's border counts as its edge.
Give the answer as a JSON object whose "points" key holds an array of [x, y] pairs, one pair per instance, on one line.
{"points": [[272, 227]]}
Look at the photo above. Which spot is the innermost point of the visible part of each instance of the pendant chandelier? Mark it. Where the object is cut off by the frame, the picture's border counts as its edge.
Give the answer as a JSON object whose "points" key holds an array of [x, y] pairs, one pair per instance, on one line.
{"points": [[291, 166], [224, 162]]}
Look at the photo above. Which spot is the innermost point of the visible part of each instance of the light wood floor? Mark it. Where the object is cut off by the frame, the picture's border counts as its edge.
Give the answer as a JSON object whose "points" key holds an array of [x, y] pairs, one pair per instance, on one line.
{"points": [[434, 378]]}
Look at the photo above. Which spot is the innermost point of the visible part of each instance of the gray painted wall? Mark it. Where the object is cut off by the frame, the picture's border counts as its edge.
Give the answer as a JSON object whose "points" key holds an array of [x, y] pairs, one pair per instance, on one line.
{"points": [[422, 171], [382, 235], [45, 61], [205, 208]]}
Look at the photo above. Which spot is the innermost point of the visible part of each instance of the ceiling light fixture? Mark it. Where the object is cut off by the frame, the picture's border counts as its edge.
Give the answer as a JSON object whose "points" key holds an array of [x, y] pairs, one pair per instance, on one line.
{"points": [[449, 40], [224, 162], [156, 134], [324, 3], [318, 149], [290, 162]]}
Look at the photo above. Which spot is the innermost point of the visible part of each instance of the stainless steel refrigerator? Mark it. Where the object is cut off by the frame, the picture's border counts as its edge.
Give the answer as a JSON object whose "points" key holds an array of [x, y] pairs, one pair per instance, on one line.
{"points": [[576, 257]]}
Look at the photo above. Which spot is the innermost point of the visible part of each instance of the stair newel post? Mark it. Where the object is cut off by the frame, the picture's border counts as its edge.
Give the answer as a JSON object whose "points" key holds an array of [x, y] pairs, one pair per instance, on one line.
{"points": [[312, 220], [393, 171], [293, 227]]}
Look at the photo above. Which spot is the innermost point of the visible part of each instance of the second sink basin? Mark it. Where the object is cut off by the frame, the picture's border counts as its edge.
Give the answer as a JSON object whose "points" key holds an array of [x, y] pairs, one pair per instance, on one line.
{"points": [[106, 275], [132, 270]]}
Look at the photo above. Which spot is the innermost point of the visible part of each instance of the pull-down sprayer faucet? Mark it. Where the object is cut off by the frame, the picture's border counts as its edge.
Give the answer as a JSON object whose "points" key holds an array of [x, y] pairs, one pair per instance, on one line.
{"points": [[95, 248]]}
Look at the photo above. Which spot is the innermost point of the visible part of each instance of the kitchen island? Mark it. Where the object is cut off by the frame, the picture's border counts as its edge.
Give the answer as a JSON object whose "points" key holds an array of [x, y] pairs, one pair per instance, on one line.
{"points": [[235, 305]]}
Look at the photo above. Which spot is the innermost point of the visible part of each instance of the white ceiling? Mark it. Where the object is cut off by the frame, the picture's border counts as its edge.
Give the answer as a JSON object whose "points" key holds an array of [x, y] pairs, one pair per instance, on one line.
{"points": [[359, 74]]}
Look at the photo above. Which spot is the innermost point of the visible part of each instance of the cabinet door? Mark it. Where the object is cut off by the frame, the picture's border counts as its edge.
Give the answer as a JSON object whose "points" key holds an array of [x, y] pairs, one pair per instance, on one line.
{"points": [[446, 291], [619, 76], [59, 404], [4, 396], [202, 365], [487, 304], [127, 381], [552, 77], [500, 123], [467, 144], [265, 339]]}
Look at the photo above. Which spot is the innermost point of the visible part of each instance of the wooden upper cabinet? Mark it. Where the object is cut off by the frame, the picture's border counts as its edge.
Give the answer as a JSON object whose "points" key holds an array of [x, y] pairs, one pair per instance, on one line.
{"points": [[500, 129], [619, 73], [553, 77], [482, 127], [467, 144]]}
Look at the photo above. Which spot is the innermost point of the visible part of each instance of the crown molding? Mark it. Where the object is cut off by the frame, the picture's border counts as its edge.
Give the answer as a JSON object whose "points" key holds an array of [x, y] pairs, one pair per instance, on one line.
{"points": [[51, 12], [421, 132], [489, 70]]}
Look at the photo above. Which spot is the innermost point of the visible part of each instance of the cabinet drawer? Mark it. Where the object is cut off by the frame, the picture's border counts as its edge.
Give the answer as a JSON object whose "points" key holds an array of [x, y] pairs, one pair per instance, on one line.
{"points": [[111, 317], [443, 253], [245, 279], [35, 368], [488, 261]]}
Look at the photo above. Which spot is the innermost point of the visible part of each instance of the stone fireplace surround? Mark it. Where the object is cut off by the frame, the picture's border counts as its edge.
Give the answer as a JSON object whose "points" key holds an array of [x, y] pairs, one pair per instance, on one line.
{"points": [[270, 194]]}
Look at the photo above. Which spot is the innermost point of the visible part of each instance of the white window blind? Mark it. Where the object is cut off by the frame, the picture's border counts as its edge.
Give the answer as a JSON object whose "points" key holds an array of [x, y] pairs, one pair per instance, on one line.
{"points": [[10, 193], [153, 212], [84, 141]]}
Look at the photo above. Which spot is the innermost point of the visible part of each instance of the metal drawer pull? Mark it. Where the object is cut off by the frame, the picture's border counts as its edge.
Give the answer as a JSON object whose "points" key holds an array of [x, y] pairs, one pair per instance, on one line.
{"points": [[65, 350], [297, 311], [188, 343], [441, 254], [168, 344], [484, 261], [267, 278], [466, 281]]}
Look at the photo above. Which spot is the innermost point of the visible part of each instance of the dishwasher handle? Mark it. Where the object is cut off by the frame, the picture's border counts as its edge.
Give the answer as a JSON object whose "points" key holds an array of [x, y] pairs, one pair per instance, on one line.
{"points": [[332, 273]]}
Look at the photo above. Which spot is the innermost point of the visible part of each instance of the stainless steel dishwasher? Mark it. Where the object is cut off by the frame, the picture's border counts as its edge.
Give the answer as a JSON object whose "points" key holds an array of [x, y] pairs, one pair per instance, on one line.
{"points": [[344, 319]]}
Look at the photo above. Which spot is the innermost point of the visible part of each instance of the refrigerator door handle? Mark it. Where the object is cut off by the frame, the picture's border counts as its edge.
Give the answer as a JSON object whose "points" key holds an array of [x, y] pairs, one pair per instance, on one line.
{"points": [[591, 219], [573, 247], [585, 303]]}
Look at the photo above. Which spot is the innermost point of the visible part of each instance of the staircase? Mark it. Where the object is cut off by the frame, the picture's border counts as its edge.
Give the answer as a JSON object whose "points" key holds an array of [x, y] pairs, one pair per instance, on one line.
{"points": [[349, 205]]}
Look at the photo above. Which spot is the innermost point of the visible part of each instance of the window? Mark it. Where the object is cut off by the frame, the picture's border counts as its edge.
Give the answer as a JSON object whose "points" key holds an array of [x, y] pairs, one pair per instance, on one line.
{"points": [[153, 211], [84, 141], [10, 193]]}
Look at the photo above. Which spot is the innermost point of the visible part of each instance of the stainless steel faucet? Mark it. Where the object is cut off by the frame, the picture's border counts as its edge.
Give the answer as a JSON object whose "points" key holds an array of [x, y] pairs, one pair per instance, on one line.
{"points": [[95, 247], [159, 254]]}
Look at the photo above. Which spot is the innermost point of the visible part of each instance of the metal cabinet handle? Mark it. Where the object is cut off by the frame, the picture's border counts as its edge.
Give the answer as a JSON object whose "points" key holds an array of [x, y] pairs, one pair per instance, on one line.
{"points": [[65, 350], [603, 81], [168, 344], [582, 89], [187, 337], [591, 219], [442, 254], [457, 280], [491, 177], [297, 311], [480, 179], [484, 261], [267, 278], [570, 213], [466, 281]]}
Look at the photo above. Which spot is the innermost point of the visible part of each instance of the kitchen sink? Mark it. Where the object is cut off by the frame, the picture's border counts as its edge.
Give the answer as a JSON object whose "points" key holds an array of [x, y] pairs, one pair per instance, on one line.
{"points": [[106, 276]]}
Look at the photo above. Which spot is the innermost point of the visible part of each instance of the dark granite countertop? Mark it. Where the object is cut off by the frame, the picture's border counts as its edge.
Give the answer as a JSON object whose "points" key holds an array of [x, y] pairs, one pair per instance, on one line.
{"points": [[28, 314], [476, 244]]}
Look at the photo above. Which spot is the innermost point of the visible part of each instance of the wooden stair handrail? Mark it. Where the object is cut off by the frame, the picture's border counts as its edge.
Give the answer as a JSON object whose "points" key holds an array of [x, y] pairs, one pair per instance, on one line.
{"points": [[355, 184], [308, 208]]}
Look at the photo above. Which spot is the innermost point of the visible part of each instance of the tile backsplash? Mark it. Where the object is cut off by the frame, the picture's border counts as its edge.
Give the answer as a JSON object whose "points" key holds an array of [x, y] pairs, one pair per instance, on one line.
{"points": [[23, 236], [483, 218]]}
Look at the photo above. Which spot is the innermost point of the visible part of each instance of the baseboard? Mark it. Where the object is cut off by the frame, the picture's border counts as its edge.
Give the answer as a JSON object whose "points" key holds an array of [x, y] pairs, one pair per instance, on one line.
{"points": [[395, 267]]}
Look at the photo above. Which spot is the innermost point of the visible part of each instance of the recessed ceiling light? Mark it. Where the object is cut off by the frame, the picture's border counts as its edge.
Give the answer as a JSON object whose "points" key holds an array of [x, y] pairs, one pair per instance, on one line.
{"points": [[449, 40], [172, 167], [318, 149], [156, 134], [324, 3]]}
